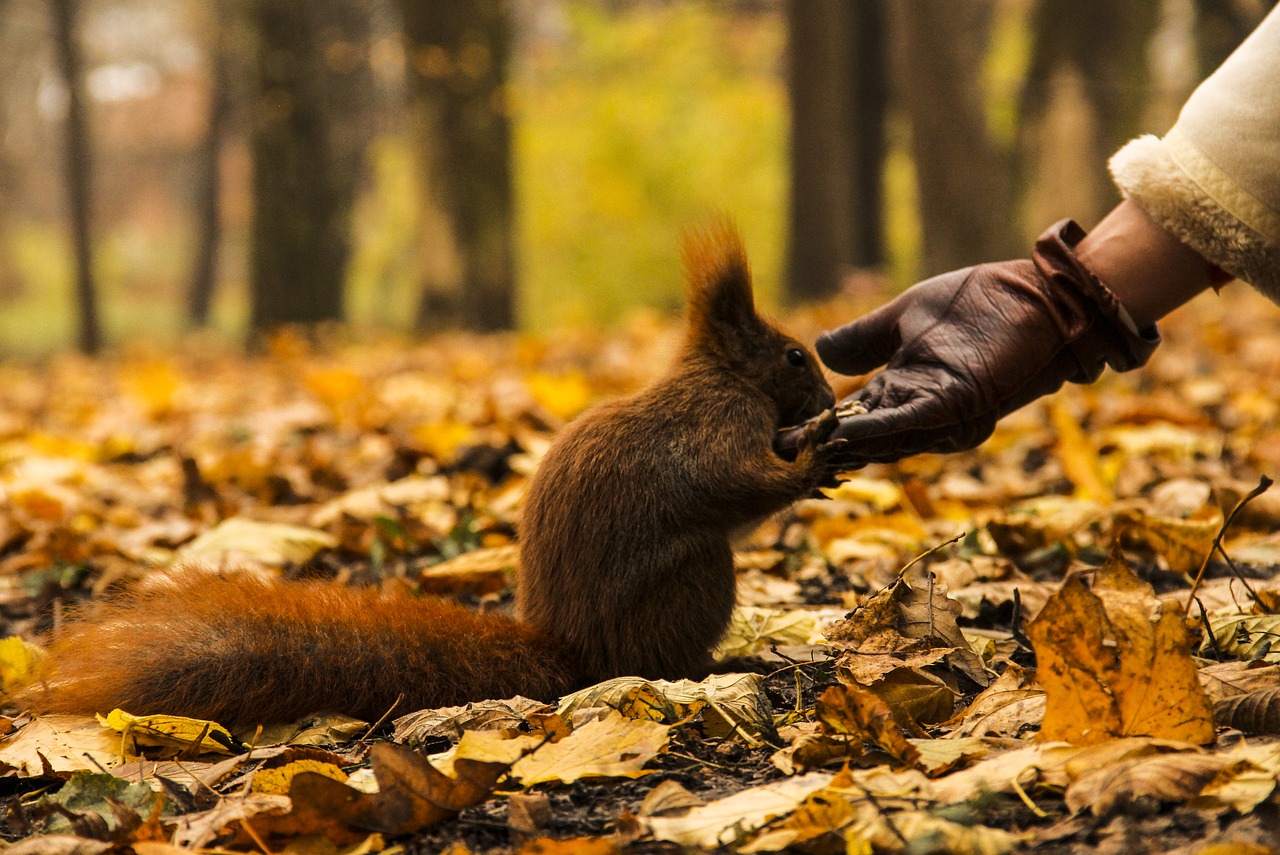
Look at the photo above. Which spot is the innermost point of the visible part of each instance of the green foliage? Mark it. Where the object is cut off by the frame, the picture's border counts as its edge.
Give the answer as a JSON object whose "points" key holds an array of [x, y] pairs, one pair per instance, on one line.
{"points": [[636, 125]]}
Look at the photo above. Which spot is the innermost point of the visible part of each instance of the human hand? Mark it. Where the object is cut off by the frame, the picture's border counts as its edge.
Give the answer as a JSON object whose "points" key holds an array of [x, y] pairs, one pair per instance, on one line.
{"points": [[963, 349]]}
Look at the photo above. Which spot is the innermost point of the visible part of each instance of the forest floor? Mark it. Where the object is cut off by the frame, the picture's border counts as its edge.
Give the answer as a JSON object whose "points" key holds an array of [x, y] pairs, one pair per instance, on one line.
{"points": [[984, 652]]}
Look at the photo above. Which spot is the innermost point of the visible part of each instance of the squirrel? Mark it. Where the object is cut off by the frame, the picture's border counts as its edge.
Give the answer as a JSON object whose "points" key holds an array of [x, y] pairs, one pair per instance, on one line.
{"points": [[625, 559]]}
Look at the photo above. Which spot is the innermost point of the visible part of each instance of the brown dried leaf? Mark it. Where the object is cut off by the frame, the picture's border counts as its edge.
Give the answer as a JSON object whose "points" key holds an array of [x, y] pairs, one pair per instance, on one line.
{"points": [[452, 722], [1004, 708], [1183, 542], [1164, 778], [1223, 680], [1255, 713], [858, 713], [916, 696], [412, 794]]}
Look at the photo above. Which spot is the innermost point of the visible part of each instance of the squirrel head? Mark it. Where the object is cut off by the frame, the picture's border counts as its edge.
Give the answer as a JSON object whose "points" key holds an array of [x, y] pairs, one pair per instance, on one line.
{"points": [[724, 327]]}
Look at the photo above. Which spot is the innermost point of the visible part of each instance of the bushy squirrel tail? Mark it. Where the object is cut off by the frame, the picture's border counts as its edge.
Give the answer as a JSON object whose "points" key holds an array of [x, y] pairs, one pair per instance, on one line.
{"points": [[245, 651]]}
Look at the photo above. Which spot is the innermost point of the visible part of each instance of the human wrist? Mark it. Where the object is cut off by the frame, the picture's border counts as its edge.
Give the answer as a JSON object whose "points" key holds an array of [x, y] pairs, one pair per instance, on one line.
{"points": [[1150, 271]]}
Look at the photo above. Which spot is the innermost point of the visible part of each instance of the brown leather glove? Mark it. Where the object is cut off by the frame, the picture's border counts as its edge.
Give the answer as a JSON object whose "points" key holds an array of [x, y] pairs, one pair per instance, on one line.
{"points": [[965, 348]]}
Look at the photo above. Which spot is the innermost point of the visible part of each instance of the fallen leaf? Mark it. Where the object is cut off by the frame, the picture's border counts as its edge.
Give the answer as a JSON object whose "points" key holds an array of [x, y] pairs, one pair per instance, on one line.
{"points": [[272, 544], [936, 757], [609, 747], [753, 629], [452, 722], [1111, 670], [885, 833], [172, 731], [916, 696], [1255, 713], [668, 797], [1123, 787], [198, 830], [19, 662], [59, 844], [61, 744], [412, 794], [729, 819], [1249, 637], [862, 716], [729, 703], [1223, 680], [1004, 708], [1183, 542], [277, 780]]}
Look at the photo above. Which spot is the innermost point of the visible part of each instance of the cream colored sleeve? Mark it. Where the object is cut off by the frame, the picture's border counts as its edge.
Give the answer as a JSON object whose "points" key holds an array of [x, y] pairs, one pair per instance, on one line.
{"points": [[1214, 179]]}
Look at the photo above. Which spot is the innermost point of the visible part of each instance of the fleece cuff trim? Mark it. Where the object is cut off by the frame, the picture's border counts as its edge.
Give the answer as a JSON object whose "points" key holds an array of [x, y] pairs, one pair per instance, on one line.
{"points": [[1147, 172]]}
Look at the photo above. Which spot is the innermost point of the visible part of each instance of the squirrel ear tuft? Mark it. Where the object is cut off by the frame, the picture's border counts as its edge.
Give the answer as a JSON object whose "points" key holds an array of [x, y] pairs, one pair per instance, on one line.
{"points": [[718, 277]]}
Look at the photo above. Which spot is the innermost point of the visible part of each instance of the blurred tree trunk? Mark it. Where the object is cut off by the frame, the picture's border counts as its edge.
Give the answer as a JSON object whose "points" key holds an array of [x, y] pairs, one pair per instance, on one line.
{"points": [[1101, 48], [208, 195], [1221, 25], [9, 279], [79, 171], [458, 57], [965, 185], [838, 94], [304, 175]]}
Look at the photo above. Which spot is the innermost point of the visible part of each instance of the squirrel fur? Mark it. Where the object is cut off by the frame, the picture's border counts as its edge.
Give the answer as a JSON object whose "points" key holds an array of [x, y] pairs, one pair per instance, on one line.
{"points": [[626, 564]]}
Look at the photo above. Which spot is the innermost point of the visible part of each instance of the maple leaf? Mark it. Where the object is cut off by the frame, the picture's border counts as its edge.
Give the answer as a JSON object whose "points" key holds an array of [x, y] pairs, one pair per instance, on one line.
{"points": [[1109, 669]]}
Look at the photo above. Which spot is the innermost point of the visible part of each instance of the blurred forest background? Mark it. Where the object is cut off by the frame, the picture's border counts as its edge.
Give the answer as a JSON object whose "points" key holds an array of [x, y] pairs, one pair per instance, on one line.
{"points": [[167, 165]]}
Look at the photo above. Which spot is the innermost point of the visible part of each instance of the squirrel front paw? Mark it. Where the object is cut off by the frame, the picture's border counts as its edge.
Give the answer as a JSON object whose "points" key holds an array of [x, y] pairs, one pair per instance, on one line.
{"points": [[812, 445]]}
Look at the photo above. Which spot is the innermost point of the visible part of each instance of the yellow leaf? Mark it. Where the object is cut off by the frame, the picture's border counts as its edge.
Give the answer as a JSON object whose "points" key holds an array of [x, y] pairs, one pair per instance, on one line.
{"points": [[19, 661], [1249, 637], [443, 439], [753, 629], [1112, 670], [335, 387], [562, 395], [154, 384], [609, 747], [1078, 454], [276, 781], [172, 731], [1183, 542], [273, 544], [879, 493]]}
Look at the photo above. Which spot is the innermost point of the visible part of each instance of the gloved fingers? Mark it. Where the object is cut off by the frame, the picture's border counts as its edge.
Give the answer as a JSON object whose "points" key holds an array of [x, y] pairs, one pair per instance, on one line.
{"points": [[889, 448], [862, 344], [913, 415]]}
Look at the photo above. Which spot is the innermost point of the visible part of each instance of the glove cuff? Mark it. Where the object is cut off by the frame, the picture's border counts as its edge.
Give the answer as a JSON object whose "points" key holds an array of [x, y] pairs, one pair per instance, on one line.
{"points": [[1108, 337]]}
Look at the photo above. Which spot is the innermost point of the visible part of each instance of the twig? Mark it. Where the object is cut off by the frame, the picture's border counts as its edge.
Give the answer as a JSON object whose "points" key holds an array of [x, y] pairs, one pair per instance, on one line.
{"points": [[1026, 799], [94, 761], [875, 803], [385, 715], [1236, 570], [697, 760], [1208, 629], [254, 835], [1264, 484], [923, 555]]}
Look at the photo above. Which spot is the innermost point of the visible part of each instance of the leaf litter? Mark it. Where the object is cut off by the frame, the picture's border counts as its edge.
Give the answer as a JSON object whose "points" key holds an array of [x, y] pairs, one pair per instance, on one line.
{"points": [[891, 687]]}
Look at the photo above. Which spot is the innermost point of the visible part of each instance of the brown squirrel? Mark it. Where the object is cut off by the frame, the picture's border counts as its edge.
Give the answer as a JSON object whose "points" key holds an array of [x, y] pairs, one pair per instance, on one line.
{"points": [[626, 567]]}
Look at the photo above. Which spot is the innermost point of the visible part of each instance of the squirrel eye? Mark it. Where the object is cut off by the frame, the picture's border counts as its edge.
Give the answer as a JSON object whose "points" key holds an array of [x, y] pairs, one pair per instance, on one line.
{"points": [[796, 357]]}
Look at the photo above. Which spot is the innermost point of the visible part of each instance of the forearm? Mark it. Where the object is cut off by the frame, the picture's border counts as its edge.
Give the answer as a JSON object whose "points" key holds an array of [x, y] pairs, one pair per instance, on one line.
{"points": [[1145, 266]]}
